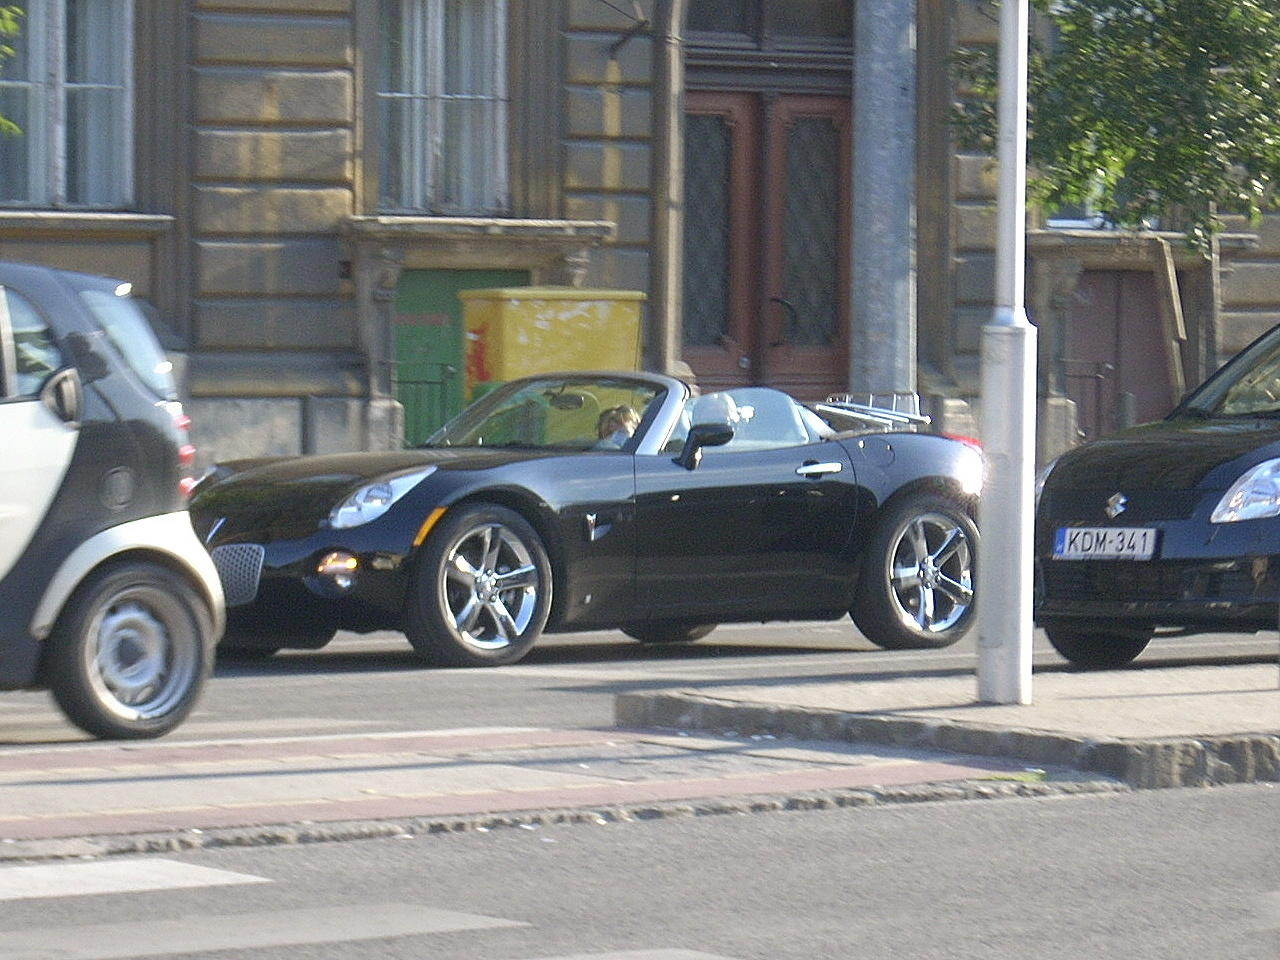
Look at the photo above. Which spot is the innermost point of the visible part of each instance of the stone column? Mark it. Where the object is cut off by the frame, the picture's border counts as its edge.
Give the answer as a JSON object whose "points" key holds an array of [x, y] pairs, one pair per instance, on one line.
{"points": [[377, 271], [882, 335]]}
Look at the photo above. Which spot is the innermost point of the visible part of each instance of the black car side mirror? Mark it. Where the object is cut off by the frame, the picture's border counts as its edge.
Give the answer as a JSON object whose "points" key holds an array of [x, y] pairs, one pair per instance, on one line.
{"points": [[702, 435]]}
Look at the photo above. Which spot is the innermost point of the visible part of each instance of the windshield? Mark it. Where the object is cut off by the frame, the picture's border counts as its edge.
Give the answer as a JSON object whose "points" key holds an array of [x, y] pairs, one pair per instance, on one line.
{"points": [[588, 413], [1248, 385]]}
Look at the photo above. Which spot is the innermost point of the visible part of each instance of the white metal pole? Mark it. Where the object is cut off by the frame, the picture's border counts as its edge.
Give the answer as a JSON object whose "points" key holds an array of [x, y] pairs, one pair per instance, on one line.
{"points": [[1008, 406]]}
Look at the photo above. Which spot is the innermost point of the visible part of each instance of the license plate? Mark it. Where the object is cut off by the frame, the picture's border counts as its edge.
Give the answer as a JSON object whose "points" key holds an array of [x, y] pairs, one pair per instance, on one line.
{"points": [[1104, 543]]}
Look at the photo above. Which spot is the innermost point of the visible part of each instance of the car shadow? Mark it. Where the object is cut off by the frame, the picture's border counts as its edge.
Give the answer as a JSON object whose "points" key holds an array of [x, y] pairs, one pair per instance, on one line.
{"points": [[379, 657]]}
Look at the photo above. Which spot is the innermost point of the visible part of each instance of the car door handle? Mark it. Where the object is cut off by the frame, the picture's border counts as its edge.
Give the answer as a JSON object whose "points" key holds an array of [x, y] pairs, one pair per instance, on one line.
{"points": [[819, 469]]}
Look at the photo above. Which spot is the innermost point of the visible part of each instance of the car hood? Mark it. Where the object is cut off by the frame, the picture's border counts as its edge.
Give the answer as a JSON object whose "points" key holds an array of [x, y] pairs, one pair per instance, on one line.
{"points": [[1176, 454], [286, 497]]}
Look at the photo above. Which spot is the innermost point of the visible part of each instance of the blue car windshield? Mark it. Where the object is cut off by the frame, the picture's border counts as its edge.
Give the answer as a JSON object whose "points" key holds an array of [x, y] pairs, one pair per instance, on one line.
{"points": [[556, 413], [1247, 386]]}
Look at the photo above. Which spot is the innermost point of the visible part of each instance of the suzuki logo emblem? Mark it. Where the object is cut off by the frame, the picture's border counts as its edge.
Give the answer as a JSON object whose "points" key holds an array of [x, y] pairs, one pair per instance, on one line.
{"points": [[1115, 505]]}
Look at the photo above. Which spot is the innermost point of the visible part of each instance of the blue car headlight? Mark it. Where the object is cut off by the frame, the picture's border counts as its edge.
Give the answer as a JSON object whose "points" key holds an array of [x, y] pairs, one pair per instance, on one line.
{"points": [[1255, 496], [374, 499]]}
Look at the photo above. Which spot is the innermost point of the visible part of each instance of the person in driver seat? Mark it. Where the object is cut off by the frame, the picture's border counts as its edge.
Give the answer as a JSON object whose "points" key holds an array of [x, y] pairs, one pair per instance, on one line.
{"points": [[615, 427]]}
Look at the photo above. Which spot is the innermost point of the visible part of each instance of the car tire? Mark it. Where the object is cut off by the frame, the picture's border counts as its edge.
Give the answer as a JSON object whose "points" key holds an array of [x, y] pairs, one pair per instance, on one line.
{"points": [[1097, 646], [667, 631], [483, 589], [130, 653], [916, 589]]}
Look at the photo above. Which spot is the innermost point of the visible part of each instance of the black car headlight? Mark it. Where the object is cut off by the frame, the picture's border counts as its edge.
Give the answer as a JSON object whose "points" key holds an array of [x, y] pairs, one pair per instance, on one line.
{"points": [[374, 499], [1255, 496]]}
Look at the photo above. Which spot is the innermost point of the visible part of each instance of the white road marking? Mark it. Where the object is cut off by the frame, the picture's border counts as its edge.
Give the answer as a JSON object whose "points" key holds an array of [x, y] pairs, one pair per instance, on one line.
{"points": [[240, 931], [644, 955], [32, 882]]}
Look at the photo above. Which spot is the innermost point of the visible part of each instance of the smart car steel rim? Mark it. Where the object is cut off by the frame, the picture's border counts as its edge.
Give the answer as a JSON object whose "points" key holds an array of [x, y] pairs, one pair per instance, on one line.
{"points": [[490, 587], [138, 670], [931, 573]]}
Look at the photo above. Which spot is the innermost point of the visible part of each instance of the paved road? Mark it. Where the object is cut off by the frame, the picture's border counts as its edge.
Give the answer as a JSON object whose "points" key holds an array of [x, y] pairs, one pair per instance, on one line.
{"points": [[1169, 874], [374, 684]]}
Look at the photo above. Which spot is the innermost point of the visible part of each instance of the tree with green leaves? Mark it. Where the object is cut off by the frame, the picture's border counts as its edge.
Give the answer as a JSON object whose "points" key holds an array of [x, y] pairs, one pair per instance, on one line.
{"points": [[1145, 110], [8, 30]]}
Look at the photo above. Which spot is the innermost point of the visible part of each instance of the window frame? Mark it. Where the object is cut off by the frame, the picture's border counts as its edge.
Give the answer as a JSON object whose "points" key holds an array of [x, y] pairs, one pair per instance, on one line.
{"points": [[430, 75], [51, 95]]}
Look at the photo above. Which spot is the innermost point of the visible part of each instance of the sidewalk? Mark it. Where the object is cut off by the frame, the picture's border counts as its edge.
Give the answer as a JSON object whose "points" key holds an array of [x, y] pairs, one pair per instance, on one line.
{"points": [[841, 741], [1147, 727]]}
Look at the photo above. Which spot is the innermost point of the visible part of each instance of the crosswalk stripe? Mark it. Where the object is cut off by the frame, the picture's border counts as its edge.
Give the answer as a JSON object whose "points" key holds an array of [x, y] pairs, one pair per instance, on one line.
{"points": [[240, 931], [111, 876]]}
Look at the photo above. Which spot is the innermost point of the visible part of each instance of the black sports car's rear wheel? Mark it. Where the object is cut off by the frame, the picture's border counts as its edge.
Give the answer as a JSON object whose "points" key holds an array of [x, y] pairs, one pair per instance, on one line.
{"points": [[916, 589], [1097, 646], [483, 589], [667, 631]]}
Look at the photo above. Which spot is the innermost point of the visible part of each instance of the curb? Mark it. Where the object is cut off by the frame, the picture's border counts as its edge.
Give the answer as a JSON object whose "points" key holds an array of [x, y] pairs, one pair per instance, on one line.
{"points": [[1140, 764], [288, 834]]}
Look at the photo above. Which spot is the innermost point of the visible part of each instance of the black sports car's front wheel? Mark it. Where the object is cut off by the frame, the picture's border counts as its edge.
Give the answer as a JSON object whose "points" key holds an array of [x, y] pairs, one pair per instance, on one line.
{"points": [[483, 589], [1097, 646], [916, 590]]}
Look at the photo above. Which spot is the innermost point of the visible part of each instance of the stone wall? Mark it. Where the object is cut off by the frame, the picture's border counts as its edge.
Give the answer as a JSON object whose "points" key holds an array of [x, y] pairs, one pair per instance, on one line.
{"points": [[607, 135]]}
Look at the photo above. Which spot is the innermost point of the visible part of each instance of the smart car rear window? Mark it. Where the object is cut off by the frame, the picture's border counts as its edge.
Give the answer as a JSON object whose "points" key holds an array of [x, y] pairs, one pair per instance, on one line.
{"points": [[128, 330]]}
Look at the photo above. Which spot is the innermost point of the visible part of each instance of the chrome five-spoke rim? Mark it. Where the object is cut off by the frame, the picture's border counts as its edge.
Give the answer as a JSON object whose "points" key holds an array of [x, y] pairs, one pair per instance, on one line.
{"points": [[931, 573], [490, 586]]}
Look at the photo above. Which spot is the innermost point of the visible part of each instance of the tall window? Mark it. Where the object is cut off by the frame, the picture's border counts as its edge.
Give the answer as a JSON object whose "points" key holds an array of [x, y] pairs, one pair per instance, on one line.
{"points": [[442, 107], [69, 89]]}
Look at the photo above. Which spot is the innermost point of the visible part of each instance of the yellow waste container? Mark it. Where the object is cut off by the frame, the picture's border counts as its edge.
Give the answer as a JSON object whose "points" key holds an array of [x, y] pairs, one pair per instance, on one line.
{"points": [[518, 331]]}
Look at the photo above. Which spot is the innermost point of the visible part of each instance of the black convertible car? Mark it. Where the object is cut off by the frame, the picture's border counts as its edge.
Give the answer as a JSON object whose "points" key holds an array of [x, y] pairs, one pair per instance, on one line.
{"points": [[1171, 526], [585, 501]]}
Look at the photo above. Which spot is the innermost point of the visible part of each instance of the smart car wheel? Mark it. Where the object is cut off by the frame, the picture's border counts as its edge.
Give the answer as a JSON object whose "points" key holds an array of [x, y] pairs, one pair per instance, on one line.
{"points": [[1097, 646], [667, 631], [916, 587], [483, 589], [130, 653]]}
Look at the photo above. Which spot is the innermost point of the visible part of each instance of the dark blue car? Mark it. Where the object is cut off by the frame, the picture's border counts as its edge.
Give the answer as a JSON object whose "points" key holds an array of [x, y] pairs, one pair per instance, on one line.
{"points": [[1171, 526]]}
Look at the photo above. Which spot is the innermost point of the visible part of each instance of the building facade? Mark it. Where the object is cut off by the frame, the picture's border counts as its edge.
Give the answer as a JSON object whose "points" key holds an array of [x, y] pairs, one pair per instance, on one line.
{"points": [[303, 188]]}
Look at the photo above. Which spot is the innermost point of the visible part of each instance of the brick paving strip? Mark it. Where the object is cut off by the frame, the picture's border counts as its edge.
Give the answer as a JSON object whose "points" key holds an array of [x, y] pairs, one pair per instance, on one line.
{"points": [[445, 780]]}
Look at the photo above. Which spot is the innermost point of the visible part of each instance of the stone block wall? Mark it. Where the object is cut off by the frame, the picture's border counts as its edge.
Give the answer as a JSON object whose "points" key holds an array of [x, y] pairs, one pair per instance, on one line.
{"points": [[607, 147]]}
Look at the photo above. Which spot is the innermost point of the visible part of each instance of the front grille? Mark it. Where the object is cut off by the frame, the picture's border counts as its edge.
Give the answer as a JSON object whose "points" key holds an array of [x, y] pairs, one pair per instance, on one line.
{"points": [[239, 568], [1155, 581], [1112, 580]]}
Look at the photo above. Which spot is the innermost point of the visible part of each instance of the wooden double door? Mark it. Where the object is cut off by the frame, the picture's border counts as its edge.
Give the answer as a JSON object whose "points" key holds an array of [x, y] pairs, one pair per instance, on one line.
{"points": [[767, 248], [1119, 356]]}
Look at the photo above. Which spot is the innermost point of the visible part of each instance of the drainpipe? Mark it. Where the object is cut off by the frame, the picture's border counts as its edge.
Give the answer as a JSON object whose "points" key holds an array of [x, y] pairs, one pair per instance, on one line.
{"points": [[666, 273]]}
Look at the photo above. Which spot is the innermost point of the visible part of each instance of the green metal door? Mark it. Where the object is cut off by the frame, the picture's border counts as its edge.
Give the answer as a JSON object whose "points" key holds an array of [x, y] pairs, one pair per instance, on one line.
{"points": [[429, 344]]}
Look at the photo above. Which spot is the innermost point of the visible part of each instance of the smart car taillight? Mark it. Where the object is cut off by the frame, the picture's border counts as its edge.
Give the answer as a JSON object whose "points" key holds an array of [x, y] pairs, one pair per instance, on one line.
{"points": [[186, 450]]}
